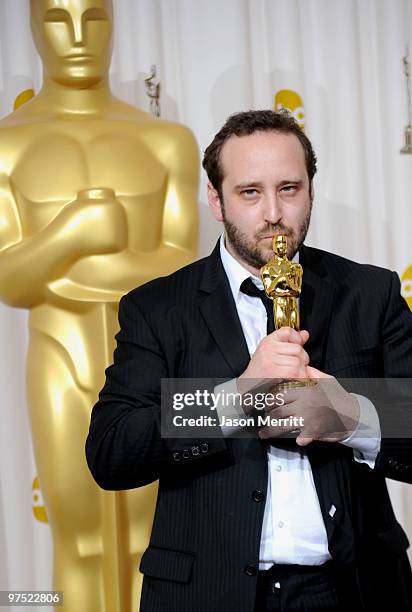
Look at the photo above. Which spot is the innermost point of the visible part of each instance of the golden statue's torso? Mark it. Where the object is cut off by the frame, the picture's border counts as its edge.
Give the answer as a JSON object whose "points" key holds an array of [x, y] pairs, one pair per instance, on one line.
{"points": [[46, 162], [282, 278], [116, 154]]}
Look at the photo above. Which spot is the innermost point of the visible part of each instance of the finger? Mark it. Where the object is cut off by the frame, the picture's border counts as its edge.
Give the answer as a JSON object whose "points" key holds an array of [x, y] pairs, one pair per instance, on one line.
{"points": [[287, 334], [279, 420], [279, 412], [286, 348], [304, 334], [289, 349], [300, 394], [288, 361], [314, 373], [287, 374], [276, 431], [301, 440]]}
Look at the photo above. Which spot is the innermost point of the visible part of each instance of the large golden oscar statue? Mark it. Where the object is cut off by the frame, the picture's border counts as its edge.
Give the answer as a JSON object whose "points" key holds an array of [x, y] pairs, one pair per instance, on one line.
{"points": [[96, 197]]}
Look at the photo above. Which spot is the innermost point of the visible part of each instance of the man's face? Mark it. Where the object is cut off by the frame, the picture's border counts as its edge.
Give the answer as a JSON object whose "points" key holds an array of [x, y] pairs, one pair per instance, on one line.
{"points": [[266, 192], [73, 38]]}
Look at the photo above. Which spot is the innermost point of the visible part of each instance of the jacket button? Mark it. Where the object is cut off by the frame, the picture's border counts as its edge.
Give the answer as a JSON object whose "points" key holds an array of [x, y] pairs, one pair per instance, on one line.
{"points": [[258, 496], [393, 463], [195, 451], [176, 456], [204, 447], [250, 570], [185, 453]]}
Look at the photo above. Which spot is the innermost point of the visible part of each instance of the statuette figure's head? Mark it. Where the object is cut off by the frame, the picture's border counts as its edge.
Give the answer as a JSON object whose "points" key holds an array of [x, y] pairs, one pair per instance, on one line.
{"points": [[280, 245], [74, 39]]}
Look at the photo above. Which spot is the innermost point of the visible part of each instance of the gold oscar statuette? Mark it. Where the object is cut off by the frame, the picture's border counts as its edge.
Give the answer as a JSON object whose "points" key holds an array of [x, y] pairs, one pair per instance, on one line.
{"points": [[96, 198], [282, 280], [407, 147]]}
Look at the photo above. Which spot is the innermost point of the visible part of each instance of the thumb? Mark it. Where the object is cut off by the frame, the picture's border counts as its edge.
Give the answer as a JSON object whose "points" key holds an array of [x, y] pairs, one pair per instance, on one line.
{"points": [[302, 441], [314, 373]]}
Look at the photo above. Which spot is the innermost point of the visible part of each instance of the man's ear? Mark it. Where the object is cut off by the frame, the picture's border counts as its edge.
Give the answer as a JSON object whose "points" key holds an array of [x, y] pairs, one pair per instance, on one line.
{"points": [[311, 191], [214, 202]]}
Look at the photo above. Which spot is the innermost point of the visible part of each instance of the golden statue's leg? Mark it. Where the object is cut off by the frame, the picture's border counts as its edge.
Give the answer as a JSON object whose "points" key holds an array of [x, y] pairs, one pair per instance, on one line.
{"points": [[82, 517], [133, 509], [138, 507], [281, 319]]}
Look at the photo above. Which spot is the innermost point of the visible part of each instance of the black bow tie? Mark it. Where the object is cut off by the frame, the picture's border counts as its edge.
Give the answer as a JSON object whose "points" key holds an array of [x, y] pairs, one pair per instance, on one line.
{"points": [[249, 288]]}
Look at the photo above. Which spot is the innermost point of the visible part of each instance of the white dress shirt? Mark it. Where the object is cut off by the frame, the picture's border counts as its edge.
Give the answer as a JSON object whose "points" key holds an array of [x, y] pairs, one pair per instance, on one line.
{"points": [[293, 530]]}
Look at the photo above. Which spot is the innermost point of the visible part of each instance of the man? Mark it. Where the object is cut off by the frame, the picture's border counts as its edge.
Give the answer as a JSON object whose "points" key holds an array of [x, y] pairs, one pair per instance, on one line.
{"points": [[247, 524]]}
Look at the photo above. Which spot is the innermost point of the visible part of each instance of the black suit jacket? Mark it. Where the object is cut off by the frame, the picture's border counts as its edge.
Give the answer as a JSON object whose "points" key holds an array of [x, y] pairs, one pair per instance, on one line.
{"points": [[204, 546]]}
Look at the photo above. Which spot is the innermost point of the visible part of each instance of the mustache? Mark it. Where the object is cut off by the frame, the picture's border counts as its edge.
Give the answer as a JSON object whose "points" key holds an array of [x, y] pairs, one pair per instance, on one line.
{"points": [[279, 228]]}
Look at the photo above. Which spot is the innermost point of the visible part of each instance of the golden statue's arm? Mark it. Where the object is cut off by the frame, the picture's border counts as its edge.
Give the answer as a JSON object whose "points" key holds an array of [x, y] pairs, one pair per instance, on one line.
{"points": [[294, 279], [181, 159], [180, 217], [93, 225]]}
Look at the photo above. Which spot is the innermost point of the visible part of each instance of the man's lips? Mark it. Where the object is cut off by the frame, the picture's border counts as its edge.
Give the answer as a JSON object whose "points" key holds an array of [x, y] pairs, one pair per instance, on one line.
{"points": [[288, 235]]}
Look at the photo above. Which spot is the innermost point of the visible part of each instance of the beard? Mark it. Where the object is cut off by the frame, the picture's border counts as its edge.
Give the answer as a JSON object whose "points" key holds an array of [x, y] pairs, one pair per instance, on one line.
{"points": [[248, 249]]}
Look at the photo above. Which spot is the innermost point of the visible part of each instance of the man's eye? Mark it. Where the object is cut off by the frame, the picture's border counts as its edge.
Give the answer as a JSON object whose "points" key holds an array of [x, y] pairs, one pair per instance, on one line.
{"points": [[289, 188], [249, 192]]}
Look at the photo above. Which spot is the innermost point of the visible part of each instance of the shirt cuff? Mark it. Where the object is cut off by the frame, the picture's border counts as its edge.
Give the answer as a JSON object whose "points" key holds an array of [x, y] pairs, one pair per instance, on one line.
{"points": [[366, 439], [232, 410]]}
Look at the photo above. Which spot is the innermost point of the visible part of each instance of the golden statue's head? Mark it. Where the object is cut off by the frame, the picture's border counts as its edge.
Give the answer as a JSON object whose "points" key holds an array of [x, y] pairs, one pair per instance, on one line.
{"points": [[74, 39], [280, 245]]}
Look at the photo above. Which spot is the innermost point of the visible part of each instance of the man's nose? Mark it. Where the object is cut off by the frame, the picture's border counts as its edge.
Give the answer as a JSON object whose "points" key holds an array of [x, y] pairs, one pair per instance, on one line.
{"points": [[272, 209]]}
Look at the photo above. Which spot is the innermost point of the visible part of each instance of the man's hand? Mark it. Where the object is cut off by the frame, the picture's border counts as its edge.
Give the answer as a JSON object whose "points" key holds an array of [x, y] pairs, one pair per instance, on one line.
{"points": [[278, 355], [330, 414]]}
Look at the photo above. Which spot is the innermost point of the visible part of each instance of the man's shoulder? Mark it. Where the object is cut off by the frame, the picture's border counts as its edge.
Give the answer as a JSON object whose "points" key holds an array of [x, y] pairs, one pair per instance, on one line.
{"points": [[343, 269], [168, 289]]}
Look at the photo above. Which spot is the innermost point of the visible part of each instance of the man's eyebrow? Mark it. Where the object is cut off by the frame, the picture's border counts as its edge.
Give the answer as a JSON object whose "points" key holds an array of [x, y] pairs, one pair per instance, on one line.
{"points": [[248, 185], [292, 181], [253, 184]]}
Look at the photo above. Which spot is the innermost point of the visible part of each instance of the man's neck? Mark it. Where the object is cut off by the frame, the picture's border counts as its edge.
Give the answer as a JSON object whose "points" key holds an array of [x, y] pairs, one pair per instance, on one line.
{"points": [[234, 254]]}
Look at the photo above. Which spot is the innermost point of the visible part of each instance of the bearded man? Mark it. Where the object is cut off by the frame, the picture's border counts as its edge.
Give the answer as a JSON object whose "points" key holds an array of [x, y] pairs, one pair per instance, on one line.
{"points": [[263, 523]]}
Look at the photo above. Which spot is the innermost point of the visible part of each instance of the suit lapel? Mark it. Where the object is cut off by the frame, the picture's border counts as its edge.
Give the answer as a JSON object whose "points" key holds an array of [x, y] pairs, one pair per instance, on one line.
{"points": [[219, 310], [316, 303], [220, 315]]}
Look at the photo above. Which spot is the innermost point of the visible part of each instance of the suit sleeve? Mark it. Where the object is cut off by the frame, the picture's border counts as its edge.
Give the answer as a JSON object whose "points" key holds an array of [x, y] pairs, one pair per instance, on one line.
{"points": [[124, 447], [395, 411]]}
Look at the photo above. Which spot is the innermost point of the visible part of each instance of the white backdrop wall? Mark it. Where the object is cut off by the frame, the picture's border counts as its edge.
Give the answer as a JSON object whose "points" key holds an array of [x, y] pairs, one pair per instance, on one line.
{"points": [[342, 57]]}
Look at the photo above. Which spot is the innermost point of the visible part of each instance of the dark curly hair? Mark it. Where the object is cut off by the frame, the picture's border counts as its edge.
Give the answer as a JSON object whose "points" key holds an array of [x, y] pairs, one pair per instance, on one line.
{"points": [[246, 123]]}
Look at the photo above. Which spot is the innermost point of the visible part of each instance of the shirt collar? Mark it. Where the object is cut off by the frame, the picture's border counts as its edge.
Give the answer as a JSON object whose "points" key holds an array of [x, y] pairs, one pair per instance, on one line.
{"points": [[237, 273]]}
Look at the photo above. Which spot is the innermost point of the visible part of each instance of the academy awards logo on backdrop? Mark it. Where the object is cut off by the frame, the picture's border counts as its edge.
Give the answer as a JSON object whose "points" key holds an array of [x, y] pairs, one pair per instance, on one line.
{"points": [[407, 285], [39, 509], [291, 101]]}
